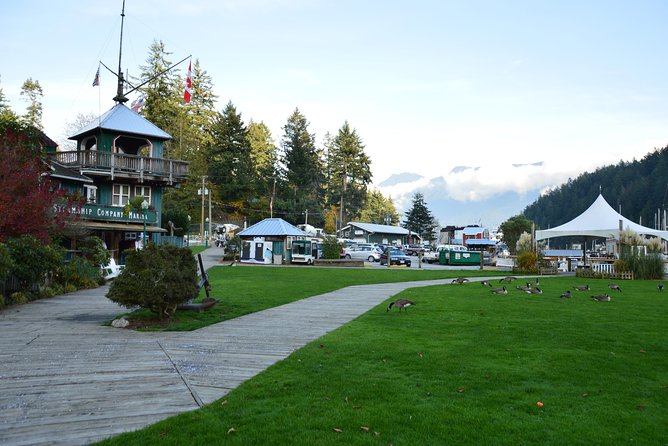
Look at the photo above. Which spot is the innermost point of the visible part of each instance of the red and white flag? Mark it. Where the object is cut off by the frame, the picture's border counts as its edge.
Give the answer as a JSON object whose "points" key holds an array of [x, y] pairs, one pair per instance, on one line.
{"points": [[189, 84]]}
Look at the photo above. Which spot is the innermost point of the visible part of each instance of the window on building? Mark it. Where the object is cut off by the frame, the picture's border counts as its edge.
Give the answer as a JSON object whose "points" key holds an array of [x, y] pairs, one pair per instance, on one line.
{"points": [[143, 191], [91, 194], [121, 195]]}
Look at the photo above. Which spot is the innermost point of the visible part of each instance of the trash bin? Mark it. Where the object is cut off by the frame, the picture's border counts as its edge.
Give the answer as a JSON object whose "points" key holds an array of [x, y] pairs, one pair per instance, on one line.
{"points": [[278, 259]]}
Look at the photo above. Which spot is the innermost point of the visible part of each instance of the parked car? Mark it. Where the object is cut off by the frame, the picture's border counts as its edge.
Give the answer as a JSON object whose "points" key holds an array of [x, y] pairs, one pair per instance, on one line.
{"points": [[397, 257], [364, 252], [413, 250]]}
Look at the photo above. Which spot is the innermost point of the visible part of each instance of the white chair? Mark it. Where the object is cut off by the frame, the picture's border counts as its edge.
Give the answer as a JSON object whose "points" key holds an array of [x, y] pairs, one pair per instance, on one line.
{"points": [[111, 270]]}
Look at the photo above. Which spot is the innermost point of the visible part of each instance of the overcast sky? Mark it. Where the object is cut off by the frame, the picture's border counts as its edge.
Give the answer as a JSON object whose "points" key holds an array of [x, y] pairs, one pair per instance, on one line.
{"points": [[429, 85]]}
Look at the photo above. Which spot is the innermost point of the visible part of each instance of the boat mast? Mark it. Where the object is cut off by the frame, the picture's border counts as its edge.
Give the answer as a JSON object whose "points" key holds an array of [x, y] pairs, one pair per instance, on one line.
{"points": [[120, 97]]}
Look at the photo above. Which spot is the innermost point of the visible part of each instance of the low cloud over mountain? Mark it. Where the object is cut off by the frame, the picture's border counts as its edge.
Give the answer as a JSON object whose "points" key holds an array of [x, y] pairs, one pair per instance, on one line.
{"points": [[486, 195]]}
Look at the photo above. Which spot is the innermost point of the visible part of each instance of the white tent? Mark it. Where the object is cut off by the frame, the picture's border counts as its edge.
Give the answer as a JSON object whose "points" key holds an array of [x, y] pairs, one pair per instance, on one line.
{"points": [[600, 220]]}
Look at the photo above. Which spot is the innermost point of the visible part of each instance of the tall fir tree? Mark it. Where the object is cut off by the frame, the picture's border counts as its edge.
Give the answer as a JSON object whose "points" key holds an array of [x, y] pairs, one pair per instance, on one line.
{"points": [[349, 169], [200, 114], [263, 152], [419, 219], [33, 94], [379, 209], [302, 172], [229, 155], [196, 120], [162, 95]]}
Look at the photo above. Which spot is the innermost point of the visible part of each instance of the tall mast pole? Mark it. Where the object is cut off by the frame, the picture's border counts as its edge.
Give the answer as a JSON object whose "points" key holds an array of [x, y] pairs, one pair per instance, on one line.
{"points": [[120, 97]]}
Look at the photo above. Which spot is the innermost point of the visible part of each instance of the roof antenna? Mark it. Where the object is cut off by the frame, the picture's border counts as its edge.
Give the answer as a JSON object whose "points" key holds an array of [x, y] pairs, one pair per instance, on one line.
{"points": [[120, 97]]}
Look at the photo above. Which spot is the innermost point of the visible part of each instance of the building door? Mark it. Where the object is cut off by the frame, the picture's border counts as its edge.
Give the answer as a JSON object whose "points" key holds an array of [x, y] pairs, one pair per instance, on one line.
{"points": [[259, 251], [245, 251]]}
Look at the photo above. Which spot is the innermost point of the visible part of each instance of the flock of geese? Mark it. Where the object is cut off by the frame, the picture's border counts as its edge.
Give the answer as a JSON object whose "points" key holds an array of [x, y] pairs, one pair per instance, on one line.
{"points": [[529, 288], [533, 288]]}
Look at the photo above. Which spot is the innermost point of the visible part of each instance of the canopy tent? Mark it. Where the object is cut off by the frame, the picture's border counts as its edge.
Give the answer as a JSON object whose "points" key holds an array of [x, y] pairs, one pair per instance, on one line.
{"points": [[600, 220]]}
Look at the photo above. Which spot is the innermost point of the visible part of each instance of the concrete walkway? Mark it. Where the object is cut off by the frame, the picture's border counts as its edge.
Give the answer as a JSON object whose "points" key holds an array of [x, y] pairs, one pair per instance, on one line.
{"points": [[67, 380]]}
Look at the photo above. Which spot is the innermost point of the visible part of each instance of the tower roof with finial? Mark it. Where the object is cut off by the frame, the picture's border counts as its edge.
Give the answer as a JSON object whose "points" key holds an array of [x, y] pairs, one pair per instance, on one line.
{"points": [[122, 120]]}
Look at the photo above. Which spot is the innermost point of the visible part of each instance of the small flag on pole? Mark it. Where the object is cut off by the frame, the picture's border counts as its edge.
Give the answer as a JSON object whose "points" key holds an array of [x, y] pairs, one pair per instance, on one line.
{"points": [[96, 81], [189, 84], [137, 105]]}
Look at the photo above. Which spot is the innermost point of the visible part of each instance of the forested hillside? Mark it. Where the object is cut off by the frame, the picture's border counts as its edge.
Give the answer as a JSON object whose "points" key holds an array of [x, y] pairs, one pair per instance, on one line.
{"points": [[640, 188]]}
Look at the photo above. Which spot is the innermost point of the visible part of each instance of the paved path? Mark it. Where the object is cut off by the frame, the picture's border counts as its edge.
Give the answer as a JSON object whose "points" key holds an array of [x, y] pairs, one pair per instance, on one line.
{"points": [[65, 379]]}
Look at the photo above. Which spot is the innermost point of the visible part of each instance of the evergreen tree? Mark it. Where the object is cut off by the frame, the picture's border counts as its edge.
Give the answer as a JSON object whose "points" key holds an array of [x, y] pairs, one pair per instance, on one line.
{"points": [[6, 113], [302, 171], [163, 96], [379, 209], [33, 92], [194, 137], [229, 156], [263, 154], [200, 114], [419, 219], [3, 101], [349, 170]]}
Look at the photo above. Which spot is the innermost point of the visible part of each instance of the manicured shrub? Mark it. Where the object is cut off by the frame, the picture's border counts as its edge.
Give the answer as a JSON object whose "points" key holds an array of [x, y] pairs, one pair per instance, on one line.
{"points": [[331, 248], [158, 278]]}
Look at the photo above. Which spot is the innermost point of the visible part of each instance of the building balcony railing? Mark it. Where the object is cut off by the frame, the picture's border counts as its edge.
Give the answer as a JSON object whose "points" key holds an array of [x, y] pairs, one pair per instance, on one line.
{"points": [[128, 166]]}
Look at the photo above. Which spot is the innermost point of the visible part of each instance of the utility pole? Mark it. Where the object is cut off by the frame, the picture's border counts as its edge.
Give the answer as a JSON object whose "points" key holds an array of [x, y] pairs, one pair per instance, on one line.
{"points": [[202, 192], [210, 221], [345, 174]]}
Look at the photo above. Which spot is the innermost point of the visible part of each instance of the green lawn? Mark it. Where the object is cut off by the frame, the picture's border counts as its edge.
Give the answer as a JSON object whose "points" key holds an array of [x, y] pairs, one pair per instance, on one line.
{"points": [[247, 289], [462, 366], [197, 249]]}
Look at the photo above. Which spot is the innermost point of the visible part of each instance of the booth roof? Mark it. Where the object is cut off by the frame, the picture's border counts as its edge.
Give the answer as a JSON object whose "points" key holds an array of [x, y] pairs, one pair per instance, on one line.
{"points": [[272, 227], [599, 220]]}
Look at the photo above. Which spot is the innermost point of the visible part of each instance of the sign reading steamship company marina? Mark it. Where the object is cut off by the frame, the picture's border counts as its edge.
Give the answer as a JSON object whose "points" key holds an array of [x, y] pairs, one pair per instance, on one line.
{"points": [[109, 213]]}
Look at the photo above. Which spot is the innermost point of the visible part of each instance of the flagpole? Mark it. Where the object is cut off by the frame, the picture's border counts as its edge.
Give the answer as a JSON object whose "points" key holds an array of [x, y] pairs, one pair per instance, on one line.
{"points": [[99, 97]]}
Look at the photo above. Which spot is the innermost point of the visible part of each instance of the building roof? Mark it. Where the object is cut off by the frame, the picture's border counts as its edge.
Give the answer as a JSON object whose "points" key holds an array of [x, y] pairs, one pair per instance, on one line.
{"points": [[272, 227], [473, 230], [123, 120], [376, 228], [57, 170], [480, 241]]}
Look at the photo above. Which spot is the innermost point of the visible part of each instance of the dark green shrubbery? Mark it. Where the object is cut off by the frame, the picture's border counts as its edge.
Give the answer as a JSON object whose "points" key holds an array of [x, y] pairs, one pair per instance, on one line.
{"points": [[81, 273], [93, 249], [331, 248], [158, 278], [33, 261]]}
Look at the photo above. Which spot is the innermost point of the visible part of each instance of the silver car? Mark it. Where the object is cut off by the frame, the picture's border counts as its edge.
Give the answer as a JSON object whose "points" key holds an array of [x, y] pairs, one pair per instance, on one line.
{"points": [[365, 252]]}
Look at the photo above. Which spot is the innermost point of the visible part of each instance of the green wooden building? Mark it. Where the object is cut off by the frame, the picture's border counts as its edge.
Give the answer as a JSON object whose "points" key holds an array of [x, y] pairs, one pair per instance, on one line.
{"points": [[120, 155]]}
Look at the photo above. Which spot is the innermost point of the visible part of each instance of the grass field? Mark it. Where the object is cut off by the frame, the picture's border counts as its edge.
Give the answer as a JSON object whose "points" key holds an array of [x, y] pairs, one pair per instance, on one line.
{"points": [[462, 366], [244, 290]]}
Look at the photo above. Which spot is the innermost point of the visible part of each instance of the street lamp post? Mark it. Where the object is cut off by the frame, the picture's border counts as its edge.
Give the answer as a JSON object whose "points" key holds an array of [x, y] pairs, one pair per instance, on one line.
{"points": [[188, 232], [144, 206], [206, 233]]}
